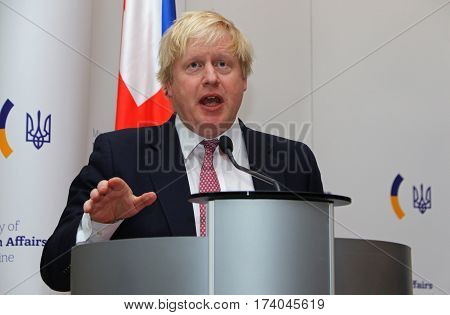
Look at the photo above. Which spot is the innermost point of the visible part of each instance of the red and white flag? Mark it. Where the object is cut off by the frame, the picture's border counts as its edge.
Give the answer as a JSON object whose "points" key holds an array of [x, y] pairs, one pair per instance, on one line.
{"points": [[140, 99]]}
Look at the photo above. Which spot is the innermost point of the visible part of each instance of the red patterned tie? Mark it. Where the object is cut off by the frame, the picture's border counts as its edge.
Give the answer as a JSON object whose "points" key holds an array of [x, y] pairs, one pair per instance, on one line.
{"points": [[208, 178]]}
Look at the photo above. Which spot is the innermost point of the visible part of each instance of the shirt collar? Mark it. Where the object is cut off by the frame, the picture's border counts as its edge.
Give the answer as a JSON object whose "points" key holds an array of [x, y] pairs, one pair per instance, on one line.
{"points": [[189, 140]]}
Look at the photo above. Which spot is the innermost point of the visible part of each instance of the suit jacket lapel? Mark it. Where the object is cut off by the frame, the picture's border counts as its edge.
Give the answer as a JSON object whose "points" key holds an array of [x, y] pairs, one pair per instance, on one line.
{"points": [[168, 175], [260, 148]]}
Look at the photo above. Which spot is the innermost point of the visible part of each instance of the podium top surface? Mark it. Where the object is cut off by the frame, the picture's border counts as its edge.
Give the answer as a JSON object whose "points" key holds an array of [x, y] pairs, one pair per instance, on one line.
{"points": [[274, 195]]}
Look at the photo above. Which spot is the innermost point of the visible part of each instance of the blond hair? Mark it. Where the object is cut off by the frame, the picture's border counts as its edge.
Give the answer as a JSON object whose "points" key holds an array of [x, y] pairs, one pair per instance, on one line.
{"points": [[207, 26]]}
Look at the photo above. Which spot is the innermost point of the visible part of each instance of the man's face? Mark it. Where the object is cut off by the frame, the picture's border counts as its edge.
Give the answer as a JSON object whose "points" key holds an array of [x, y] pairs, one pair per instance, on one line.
{"points": [[207, 87]]}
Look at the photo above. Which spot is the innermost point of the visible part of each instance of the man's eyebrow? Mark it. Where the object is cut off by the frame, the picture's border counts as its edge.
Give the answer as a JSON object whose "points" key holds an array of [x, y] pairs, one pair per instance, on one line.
{"points": [[225, 55], [189, 59]]}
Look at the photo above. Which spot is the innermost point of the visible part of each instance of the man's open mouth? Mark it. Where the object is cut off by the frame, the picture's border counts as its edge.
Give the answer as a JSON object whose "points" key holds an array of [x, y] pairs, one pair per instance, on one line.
{"points": [[211, 100]]}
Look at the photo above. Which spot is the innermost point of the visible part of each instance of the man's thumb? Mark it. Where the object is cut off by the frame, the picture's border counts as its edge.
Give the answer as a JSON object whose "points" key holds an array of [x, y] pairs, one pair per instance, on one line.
{"points": [[145, 200]]}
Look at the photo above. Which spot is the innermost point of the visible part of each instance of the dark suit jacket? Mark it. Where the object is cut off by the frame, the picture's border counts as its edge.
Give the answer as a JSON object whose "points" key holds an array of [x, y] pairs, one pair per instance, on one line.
{"points": [[150, 159]]}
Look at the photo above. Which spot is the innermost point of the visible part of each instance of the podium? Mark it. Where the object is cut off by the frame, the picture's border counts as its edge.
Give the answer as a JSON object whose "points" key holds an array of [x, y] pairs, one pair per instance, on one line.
{"points": [[257, 243]]}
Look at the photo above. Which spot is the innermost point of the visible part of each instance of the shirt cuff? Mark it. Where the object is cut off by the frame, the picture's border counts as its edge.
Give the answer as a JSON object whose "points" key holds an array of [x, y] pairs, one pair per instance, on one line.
{"points": [[90, 231]]}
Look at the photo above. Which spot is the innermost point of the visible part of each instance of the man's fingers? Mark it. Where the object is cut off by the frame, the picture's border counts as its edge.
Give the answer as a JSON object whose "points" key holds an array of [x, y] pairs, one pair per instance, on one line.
{"points": [[117, 183], [87, 206], [95, 195], [102, 187], [113, 199]]}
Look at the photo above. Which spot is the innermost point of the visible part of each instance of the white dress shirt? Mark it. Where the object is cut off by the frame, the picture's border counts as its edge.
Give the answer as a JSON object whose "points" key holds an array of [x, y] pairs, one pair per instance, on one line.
{"points": [[230, 178]]}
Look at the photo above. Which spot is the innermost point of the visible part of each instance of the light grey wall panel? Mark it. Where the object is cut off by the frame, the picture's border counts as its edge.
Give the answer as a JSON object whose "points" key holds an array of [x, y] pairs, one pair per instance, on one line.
{"points": [[387, 114]]}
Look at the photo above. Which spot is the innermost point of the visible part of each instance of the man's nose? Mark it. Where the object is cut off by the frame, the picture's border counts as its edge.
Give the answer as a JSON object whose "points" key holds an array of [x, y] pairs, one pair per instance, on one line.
{"points": [[210, 75]]}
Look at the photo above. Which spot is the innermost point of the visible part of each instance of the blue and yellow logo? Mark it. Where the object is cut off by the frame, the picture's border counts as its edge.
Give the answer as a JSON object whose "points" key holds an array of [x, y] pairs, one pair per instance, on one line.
{"points": [[421, 197], [394, 197], [4, 112]]}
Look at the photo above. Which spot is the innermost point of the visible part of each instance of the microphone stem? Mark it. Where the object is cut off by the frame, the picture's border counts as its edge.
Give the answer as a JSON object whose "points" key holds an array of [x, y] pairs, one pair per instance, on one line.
{"points": [[262, 177]]}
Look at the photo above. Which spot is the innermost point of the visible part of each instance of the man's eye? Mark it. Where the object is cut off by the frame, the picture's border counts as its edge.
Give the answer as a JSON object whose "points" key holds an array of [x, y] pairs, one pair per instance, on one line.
{"points": [[221, 64], [193, 65]]}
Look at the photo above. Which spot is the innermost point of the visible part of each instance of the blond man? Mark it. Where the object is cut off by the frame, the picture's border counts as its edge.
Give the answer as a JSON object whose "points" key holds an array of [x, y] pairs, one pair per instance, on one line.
{"points": [[138, 181]]}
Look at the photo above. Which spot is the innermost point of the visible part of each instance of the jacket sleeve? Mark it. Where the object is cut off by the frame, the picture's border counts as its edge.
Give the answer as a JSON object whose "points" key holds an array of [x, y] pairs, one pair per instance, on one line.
{"points": [[315, 180], [308, 169], [55, 260]]}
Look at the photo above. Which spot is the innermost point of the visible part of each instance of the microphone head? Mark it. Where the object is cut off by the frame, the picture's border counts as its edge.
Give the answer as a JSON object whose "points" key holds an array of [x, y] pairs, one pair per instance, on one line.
{"points": [[225, 144]]}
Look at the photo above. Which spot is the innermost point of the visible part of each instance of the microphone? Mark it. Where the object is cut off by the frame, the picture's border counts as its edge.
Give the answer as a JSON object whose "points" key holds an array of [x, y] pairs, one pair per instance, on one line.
{"points": [[226, 147]]}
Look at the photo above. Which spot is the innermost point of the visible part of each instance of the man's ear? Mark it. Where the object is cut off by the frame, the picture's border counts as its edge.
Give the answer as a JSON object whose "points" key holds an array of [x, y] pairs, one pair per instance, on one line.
{"points": [[167, 88]]}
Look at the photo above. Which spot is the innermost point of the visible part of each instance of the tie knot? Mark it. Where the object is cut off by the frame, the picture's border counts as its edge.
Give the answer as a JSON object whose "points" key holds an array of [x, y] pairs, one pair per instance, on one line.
{"points": [[210, 145]]}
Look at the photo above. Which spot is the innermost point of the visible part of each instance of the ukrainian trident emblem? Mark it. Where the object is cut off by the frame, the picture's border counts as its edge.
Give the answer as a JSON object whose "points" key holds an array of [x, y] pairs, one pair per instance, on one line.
{"points": [[422, 201], [36, 134]]}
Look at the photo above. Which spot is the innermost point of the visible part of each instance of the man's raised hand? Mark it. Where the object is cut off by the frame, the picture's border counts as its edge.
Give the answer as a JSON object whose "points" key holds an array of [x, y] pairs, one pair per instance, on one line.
{"points": [[113, 200]]}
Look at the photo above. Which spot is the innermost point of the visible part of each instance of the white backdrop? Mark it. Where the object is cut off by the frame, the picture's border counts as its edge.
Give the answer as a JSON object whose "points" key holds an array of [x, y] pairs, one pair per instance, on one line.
{"points": [[380, 71], [42, 68], [387, 115]]}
